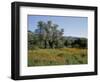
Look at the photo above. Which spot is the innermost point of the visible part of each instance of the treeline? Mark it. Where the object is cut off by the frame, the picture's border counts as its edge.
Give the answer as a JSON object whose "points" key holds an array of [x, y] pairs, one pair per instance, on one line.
{"points": [[75, 42], [47, 35]]}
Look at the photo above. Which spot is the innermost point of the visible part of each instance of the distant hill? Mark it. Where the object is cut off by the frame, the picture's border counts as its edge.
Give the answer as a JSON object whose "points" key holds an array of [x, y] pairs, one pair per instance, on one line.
{"points": [[73, 38]]}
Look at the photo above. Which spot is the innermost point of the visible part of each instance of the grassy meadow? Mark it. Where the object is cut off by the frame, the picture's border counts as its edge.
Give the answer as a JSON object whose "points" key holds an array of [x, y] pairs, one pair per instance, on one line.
{"points": [[59, 56]]}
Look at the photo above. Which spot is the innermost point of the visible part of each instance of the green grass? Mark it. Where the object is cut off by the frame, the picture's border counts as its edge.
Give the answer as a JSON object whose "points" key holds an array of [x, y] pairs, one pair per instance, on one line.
{"points": [[61, 56]]}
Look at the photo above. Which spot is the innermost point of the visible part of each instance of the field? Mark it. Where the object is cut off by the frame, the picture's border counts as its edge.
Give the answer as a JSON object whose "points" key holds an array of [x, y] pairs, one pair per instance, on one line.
{"points": [[60, 56]]}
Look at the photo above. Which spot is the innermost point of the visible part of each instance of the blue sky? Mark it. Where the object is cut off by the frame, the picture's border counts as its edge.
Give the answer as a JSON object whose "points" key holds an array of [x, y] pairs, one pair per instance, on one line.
{"points": [[73, 26]]}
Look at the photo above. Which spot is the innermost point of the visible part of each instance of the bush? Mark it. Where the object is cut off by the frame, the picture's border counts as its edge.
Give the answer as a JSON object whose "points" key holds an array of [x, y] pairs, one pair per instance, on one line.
{"points": [[33, 47]]}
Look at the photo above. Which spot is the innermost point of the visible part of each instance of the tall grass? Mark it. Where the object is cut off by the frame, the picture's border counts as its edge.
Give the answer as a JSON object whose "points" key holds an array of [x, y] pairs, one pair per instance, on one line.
{"points": [[61, 56]]}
